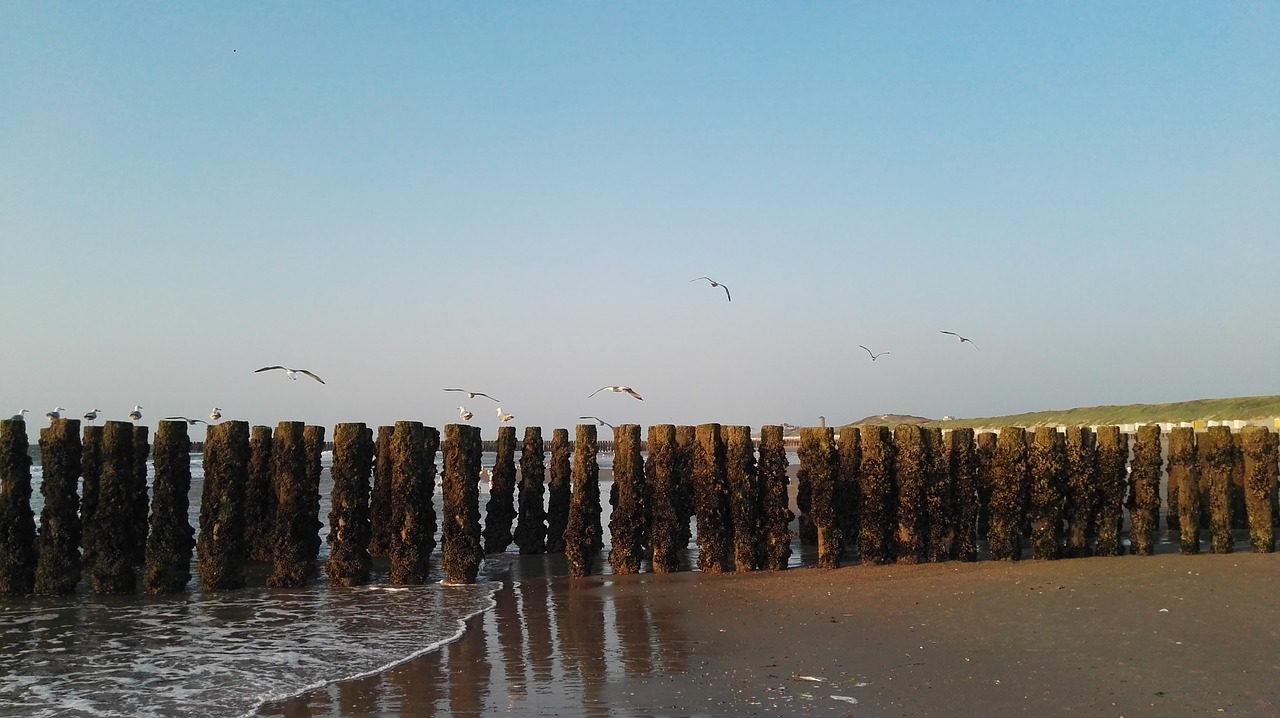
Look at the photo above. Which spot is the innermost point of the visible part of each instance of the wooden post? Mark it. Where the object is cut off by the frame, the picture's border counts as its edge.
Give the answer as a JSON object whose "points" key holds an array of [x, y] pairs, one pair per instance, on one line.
{"points": [[380, 496], [940, 513], [818, 469], [875, 543], [220, 544], [806, 527], [1113, 460], [531, 523], [18, 521], [1081, 486], [1239, 513], [964, 476], [114, 536], [290, 547], [500, 511], [90, 478], [1009, 483], [911, 463], [461, 552], [1046, 463], [171, 539], [349, 560], [583, 535], [1144, 473], [259, 496], [58, 547], [848, 493], [1217, 454], [1260, 464], [984, 447], [559, 490], [413, 520], [627, 522], [664, 527], [686, 446], [743, 486], [309, 530], [140, 500], [711, 501], [1184, 473], [776, 514]]}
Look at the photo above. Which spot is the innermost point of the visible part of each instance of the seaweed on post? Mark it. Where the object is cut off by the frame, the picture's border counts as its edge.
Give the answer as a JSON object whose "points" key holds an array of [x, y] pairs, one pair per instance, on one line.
{"points": [[848, 492], [1113, 461], [500, 510], [818, 469], [1009, 484], [171, 540], [380, 496], [1239, 512], [743, 485], [1260, 465], [1144, 473], [1046, 463], [531, 521], [939, 508], [877, 519], [664, 527], [1081, 486], [259, 496], [349, 561], [686, 445], [959, 449], [1184, 473], [711, 501], [1217, 455], [806, 527], [113, 535], [58, 543], [290, 546], [90, 477], [140, 500], [583, 535], [413, 522], [460, 550], [910, 466], [313, 446], [220, 544], [984, 462], [17, 520], [627, 521], [776, 514], [559, 490]]}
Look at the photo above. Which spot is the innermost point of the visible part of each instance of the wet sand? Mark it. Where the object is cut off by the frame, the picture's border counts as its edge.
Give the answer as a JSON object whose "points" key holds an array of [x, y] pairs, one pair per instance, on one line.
{"points": [[1165, 635]]}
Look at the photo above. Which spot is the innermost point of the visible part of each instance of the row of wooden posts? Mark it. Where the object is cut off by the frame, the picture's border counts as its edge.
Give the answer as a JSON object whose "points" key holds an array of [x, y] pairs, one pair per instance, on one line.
{"points": [[908, 495]]}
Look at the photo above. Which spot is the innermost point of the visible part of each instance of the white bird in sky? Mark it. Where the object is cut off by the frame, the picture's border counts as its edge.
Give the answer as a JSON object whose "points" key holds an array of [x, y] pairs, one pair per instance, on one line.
{"points": [[616, 390], [962, 339], [598, 420], [464, 414], [55, 414], [503, 416], [874, 356], [472, 394], [190, 422], [19, 416], [91, 416], [136, 413], [714, 283], [215, 414], [291, 373]]}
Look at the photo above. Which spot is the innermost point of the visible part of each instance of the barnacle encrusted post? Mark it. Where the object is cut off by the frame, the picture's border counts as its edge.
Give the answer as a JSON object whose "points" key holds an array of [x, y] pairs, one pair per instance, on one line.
{"points": [[964, 477], [413, 524], [559, 490], [1217, 454], [627, 522], [710, 501], [17, 520], [939, 511], [1113, 461], [1081, 486], [583, 534], [114, 534], [805, 526], [742, 483], [58, 544], [1239, 515], [686, 446], [380, 495], [290, 567], [875, 543], [664, 528], [349, 560], [171, 539], [313, 447], [848, 493], [1046, 463], [910, 464], [460, 548], [984, 458], [818, 469], [220, 544], [1009, 483], [1184, 473], [259, 496], [1260, 485], [776, 514], [1145, 470], [531, 522], [500, 510], [139, 501], [90, 478]]}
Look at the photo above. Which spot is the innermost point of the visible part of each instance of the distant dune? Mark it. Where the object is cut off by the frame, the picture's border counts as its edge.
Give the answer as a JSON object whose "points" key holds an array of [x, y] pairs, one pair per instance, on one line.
{"points": [[893, 420]]}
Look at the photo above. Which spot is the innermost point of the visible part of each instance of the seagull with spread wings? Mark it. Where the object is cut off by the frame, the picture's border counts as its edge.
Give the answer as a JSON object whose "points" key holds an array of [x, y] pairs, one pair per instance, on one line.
{"points": [[616, 390], [714, 284], [874, 356], [291, 373], [598, 420], [473, 394], [962, 339]]}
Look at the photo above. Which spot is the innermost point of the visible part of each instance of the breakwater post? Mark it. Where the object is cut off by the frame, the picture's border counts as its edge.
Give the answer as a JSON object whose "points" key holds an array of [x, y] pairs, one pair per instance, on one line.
{"points": [[710, 501], [17, 520], [985, 459], [259, 496], [380, 495], [583, 536], [939, 509], [413, 517], [964, 478], [500, 511], [58, 543], [686, 446], [1260, 465], [90, 477], [531, 522], [910, 465], [1081, 488], [875, 543], [628, 521], [818, 470], [664, 525], [461, 552], [140, 501], [1046, 463], [743, 485], [1184, 473], [1239, 514], [1113, 460], [1008, 492], [171, 540], [848, 464], [349, 560], [313, 446], [112, 533], [559, 490], [220, 545], [806, 528], [776, 514], [1144, 471], [1217, 454], [290, 565]]}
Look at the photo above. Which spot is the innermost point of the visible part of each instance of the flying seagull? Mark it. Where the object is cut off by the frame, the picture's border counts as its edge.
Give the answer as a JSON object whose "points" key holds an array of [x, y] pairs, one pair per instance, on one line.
{"points": [[472, 394], [291, 373], [190, 422], [55, 414], [962, 339], [91, 416], [464, 414], [136, 413], [215, 414], [19, 416], [598, 420], [616, 390], [503, 416], [714, 283], [874, 356]]}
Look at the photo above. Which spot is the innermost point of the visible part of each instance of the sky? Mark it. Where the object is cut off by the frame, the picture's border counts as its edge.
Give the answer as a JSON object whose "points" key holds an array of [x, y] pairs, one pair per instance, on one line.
{"points": [[513, 197]]}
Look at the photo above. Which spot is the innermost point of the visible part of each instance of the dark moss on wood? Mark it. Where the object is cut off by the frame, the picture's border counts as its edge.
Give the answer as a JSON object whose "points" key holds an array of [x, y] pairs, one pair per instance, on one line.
{"points": [[848, 492], [1217, 455], [500, 510], [291, 564], [878, 515], [711, 501], [583, 535], [220, 544], [627, 521], [259, 496], [1144, 471], [413, 519], [664, 528], [776, 514], [461, 550], [113, 533], [1046, 466], [559, 490], [17, 520], [962, 462], [1260, 466], [1184, 474], [985, 457], [1009, 487], [1113, 461], [819, 466], [141, 500], [910, 467], [313, 445], [531, 521], [90, 477], [349, 561], [939, 509], [686, 446], [806, 527], [58, 543], [1239, 513], [171, 539], [1081, 488], [743, 484], [380, 496]]}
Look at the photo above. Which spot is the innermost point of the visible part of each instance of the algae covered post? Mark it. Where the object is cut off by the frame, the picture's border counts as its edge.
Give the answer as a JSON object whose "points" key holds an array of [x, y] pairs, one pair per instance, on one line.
{"points": [[964, 477], [113, 536], [743, 485], [500, 511], [1008, 491], [664, 525], [1217, 454], [848, 493], [58, 547], [1260, 463], [90, 477], [940, 513], [776, 514], [17, 521], [583, 535], [290, 546], [710, 501], [531, 523], [313, 446], [1184, 472], [1113, 461], [1144, 472], [627, 522], [910, 464], [171, 538], [875, 544], [818, 469], [1081, 488], [460, 548], [1046, 462], [139, 500], [413, 521], [349, 560], [686, 445], [259, 496], [220, 544], [984, 454], [380, 495], [559, 490]]}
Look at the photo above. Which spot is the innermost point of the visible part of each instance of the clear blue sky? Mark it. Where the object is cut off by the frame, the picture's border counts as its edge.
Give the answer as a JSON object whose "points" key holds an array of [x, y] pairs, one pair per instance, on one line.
{"points": [[513, 197]]}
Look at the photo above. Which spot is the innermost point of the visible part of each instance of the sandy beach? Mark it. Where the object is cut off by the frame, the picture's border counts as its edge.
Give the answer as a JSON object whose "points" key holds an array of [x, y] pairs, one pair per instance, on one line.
{"points": [[1166, 635]]}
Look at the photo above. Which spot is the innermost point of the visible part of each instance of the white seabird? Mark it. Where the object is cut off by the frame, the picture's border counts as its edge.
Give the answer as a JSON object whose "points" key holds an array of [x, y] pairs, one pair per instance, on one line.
{"points": [[962, 339], [464, 414], [291, 373], [91, 416], [473, 394], [215, 414], [136, 413], [714, 283], [503, 416], [874, 356], [55, 414], [598, 420], [616, 390], [19, 416]]}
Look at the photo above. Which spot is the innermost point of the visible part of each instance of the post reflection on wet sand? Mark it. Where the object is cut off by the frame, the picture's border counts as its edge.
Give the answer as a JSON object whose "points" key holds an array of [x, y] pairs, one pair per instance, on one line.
{"points": [[550, 647]]}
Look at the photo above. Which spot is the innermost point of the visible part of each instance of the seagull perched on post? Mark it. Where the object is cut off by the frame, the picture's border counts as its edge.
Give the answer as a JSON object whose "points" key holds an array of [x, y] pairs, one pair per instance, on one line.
{"points": [[215, 414], [874, 356], [503, 416], [616, 390], [291, 373], [472, 394], [19, 416], [91, 416], [55, 414], [714, 283], [190, 422], [136, 413], [464, 414], [598, 420], [962, 339]]}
